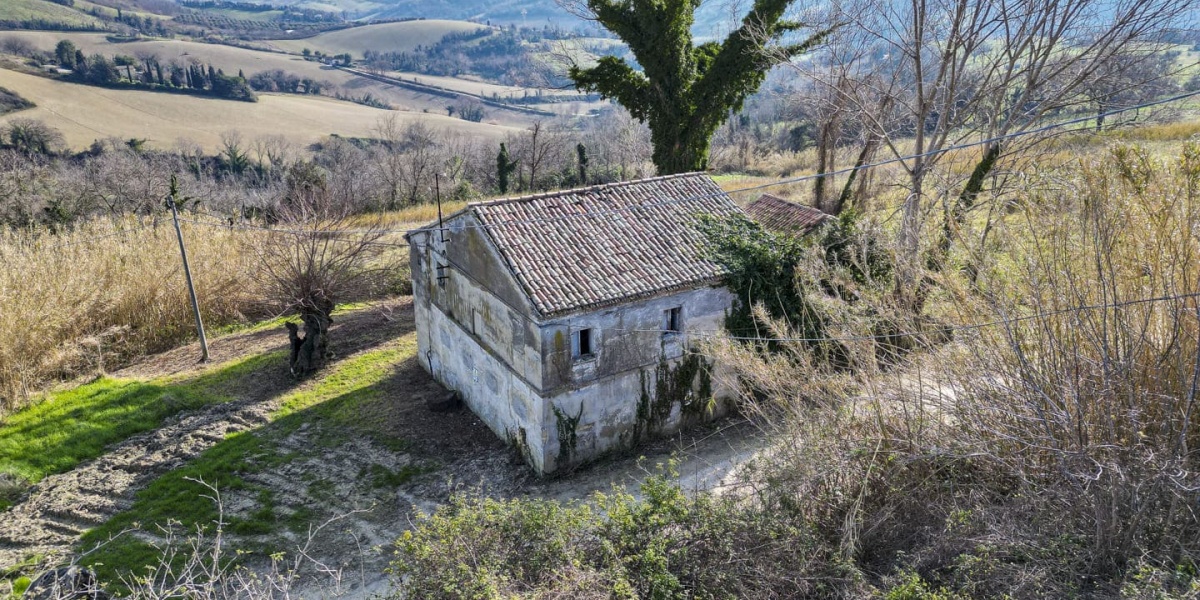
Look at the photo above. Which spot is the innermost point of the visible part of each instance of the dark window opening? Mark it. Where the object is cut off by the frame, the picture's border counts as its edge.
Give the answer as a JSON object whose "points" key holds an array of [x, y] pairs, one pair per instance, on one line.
{"points": [[581, 343], [673, 320]]}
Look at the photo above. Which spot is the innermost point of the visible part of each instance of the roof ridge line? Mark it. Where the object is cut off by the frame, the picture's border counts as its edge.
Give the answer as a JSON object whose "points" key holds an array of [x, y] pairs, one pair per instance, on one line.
{"points": [[570, 191]]}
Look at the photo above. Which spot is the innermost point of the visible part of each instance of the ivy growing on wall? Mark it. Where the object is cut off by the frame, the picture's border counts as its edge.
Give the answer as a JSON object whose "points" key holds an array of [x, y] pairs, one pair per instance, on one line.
{"points": [[688, 384], [567, 433]]}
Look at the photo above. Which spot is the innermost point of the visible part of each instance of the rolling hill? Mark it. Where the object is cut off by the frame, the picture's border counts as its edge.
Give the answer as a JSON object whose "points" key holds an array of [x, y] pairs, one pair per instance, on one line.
{"points": [[711, 17], [43, 10], [232, 59], [384, 37], [85, 113]]}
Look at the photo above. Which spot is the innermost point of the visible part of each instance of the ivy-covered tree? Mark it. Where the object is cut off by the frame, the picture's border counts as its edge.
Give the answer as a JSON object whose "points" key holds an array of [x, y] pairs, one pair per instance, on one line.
{"points": [[504, 168], [581, 162], [64, 53], [684, 91]]}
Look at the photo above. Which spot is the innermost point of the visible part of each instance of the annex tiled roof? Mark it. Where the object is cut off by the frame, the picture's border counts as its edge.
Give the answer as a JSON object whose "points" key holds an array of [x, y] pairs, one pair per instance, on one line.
{"points": [[777, 214], [602, 245]]}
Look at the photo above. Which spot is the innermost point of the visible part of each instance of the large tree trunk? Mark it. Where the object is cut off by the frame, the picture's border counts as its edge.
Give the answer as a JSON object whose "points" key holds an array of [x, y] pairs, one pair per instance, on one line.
{"points": [[848, 192], [310, 352], [955, 219], [826, 161], [680, 149], [957, 216]]}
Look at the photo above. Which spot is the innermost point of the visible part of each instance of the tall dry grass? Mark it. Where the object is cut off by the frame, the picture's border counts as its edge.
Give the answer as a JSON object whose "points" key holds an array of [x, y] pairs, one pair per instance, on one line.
{"points": [[1055, 453], [92, 298]]}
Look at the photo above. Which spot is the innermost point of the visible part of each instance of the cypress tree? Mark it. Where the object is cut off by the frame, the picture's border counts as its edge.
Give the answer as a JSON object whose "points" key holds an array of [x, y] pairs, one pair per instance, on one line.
{"points": [[504, 168], [684, 92]]}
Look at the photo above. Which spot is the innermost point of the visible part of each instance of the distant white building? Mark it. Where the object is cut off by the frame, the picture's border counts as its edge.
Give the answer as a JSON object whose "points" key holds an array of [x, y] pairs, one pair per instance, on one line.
{"points": [[562, 319]]}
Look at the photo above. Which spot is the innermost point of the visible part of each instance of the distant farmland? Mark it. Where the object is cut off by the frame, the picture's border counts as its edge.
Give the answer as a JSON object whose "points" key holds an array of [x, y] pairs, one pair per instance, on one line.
{"points": [[385, 37], [86, 113], [233, 59], [25, 10]]}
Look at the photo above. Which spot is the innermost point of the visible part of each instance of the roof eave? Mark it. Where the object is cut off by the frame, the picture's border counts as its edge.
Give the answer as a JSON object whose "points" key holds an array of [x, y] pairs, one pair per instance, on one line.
{"points": [[641, 297]]}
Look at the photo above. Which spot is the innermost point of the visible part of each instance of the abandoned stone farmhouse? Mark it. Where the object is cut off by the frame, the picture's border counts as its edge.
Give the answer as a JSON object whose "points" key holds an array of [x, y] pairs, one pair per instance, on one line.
{"points": [[561, 319]]}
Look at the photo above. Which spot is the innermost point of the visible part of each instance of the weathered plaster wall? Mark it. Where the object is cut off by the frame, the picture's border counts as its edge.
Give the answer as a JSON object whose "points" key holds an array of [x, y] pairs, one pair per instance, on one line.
{"points": [[595, 401], [627, 336], [475, 343]]}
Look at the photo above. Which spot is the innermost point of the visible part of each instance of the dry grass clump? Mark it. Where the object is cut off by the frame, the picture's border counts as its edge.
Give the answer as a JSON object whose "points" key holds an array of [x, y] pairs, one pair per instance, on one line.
{"points": [[91, 298], [1052, 454]]}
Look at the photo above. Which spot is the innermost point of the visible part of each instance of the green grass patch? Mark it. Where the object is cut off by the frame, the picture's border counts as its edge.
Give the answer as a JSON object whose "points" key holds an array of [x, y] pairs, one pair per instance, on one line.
{"points": [[384, 478], [76, 425], [338, 404], [44, 10]]}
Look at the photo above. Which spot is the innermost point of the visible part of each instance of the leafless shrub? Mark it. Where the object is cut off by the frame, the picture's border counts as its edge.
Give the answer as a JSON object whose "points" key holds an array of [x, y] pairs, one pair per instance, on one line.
{"points": [[1049, 451], [32, 136], [18, 46], [317, 255]]}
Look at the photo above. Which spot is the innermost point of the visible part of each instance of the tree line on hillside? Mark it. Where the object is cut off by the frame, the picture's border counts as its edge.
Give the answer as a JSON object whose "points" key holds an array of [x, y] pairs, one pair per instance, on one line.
{"points": [[504, 55], [149, 73], [41, 183], [122, 22]]}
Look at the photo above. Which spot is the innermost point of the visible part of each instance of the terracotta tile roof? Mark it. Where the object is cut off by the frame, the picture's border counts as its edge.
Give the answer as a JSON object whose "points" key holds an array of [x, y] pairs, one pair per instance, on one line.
{"points": [[602, 245], [777, 214]]}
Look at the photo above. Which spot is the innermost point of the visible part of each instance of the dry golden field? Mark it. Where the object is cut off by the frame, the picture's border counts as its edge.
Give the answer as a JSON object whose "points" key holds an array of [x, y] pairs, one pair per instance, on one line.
{"points": [[385, 37], [85, 113], [232, 59]]}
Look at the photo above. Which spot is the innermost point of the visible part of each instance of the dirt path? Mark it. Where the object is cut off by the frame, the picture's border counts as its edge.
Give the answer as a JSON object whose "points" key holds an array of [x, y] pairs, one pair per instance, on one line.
{"points": [[368, 456], [61, 507], [57, 510]]}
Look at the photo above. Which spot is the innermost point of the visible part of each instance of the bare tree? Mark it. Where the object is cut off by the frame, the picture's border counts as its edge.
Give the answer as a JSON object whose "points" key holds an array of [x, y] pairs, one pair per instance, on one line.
{"points": [[536, 149], [317, 256], [931, 74], [32, 136]]}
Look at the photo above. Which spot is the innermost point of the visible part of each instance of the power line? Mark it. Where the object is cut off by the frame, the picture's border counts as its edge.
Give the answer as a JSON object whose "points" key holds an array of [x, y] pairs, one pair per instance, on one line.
{"points": [[856, 338], [945, 329], [301, 232], [787, 181]]}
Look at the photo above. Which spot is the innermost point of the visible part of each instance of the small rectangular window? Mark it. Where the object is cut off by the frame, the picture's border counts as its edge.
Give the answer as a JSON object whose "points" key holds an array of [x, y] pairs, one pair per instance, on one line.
{"points": [[673, 320], [581, 343]]}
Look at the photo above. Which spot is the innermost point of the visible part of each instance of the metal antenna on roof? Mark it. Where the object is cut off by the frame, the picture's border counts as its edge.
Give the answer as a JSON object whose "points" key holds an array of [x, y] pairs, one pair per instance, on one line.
{"points": [[441, 267]]}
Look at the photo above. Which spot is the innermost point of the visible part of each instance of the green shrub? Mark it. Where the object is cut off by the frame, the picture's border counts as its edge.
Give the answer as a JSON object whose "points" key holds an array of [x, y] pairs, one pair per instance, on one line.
{"points": [[661, 545]]}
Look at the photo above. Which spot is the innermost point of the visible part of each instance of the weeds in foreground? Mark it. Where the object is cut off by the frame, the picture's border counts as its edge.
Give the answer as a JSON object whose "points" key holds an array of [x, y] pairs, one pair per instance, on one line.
{"points": [[201, 562], [1052, 454]]}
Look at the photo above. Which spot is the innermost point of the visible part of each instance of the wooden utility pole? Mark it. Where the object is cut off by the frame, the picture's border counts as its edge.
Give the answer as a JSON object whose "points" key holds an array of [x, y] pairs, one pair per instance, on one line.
{"points": [[187, 271]]}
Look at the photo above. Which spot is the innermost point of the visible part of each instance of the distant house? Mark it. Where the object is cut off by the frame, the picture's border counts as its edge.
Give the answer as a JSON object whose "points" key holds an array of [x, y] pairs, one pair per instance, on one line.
{"points": [[562, 319], [779, 215]]}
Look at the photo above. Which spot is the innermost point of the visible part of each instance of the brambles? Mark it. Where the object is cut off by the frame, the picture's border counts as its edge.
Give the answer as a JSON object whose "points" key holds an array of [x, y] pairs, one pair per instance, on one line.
{"points": [[1044, 447]]}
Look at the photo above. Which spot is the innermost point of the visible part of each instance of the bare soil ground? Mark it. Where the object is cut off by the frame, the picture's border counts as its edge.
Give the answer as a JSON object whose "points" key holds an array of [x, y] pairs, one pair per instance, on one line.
{"points": [[370, 460]]}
